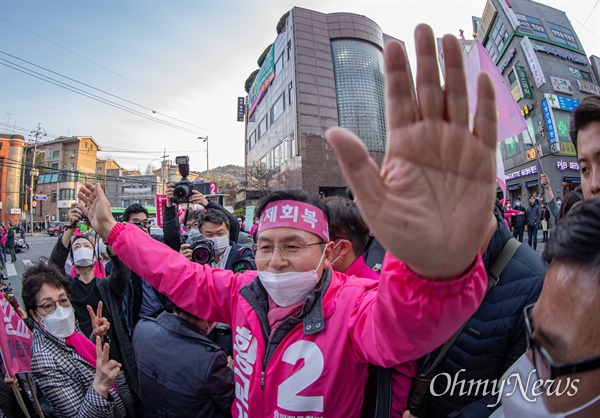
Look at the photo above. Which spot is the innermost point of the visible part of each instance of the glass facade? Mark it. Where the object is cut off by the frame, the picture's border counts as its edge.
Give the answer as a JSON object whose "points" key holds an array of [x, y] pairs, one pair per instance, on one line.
{"points": [[359, 82]]}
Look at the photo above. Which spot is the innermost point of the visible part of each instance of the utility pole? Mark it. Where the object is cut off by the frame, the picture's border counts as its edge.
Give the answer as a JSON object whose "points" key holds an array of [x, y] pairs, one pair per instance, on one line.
{"points": [[162, 171], [37, 133], [205, 139]]}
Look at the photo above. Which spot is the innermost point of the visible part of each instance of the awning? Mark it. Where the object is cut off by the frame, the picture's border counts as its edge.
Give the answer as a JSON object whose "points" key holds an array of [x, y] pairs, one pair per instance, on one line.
{"points": [[572, 180], [514, 187], [530, 184]]}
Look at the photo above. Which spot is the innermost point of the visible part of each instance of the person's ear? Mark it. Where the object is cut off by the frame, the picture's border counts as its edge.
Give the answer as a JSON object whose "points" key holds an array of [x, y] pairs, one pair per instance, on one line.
{"points": [[35, 316], [345, 247]]}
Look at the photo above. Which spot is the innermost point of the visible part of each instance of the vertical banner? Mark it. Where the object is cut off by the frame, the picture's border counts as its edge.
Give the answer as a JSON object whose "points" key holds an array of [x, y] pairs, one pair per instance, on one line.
{"points": [[532, 60], [161, 203], [15, 340]]}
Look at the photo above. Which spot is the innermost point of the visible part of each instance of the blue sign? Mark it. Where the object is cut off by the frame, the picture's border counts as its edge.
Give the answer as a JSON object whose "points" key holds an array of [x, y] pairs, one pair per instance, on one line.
{"points": [[566, 103], [549, 123]]}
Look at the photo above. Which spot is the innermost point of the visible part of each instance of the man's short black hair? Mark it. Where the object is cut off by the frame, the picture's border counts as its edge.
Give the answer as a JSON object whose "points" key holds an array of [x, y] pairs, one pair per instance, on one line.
{"points": [[132, 210], [214, 216], [293, 194], [347, 223], [191, 215], [38, 275], [588, 111], [576, 237]]}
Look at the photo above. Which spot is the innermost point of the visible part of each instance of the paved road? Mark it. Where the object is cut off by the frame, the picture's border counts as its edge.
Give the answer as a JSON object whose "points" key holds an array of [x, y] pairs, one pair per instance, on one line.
{"points": [[39, 246]]}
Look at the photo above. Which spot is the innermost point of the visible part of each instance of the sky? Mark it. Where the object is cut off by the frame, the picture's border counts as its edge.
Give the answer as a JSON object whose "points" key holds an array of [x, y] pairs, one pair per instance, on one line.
{"points": [[182, 62]]}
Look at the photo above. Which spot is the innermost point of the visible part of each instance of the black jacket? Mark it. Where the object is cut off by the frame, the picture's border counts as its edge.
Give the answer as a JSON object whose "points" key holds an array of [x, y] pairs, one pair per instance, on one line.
{"points": [[518, 221], [494, 337], [182, 373], [534, 214]]}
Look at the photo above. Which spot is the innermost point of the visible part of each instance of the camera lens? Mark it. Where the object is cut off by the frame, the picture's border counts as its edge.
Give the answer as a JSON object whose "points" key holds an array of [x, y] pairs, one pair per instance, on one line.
{"points": [[181, 192], [201, 255]]}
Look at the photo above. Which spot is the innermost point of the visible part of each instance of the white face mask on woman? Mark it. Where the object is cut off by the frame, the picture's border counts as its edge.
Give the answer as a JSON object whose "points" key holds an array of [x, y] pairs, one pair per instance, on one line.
{"points": [[515, 404], [288, 288], [83, 257], [60, 323]]}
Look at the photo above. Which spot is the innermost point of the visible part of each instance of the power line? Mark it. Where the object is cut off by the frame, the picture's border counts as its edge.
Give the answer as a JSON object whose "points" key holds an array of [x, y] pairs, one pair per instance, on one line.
{"points": [[102, 91], [92, 96]]}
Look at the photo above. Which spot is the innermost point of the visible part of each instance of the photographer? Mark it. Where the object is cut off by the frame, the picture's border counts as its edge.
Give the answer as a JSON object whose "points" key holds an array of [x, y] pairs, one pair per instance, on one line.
{"points": [[171, 227]]}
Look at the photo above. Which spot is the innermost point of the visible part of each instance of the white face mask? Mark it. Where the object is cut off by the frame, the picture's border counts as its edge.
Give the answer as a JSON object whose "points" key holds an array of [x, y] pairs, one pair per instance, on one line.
{"points": [[515, 405], [60, 323], [288, 288], [83, 257], [220, 244]]}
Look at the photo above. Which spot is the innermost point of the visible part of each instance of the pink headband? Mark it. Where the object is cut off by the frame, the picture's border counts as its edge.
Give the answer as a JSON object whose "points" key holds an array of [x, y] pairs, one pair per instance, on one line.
{"points": [[294, 214]]}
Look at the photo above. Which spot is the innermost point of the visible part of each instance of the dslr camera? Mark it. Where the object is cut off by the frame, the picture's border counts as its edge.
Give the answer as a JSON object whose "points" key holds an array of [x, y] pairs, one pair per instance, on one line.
{"points": [[183, 189], [202, 249]]}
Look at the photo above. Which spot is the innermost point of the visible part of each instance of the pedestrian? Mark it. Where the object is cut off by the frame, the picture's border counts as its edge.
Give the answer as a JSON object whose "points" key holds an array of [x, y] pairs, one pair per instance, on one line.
{"points": [[544, 222], [10, 243], [518, 220], [303, 334], [3, 244], [533, 215], [23, 235]]}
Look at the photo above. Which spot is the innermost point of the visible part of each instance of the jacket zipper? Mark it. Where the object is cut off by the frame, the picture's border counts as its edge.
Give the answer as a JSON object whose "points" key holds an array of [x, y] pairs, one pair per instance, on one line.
{"points": [[262, 380]]}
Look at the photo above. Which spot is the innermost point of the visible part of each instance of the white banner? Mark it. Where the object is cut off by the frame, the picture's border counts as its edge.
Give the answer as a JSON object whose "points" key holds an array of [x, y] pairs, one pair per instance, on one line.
{"points": [[534, 64]]}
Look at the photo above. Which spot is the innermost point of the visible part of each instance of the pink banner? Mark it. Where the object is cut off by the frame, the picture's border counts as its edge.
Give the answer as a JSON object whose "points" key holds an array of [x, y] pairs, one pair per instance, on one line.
{"points": [[15, 340], [161, 203]]}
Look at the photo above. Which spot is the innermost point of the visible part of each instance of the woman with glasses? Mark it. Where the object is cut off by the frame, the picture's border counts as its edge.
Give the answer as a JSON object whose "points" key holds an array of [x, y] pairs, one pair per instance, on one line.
{"points": [[77, 377]]}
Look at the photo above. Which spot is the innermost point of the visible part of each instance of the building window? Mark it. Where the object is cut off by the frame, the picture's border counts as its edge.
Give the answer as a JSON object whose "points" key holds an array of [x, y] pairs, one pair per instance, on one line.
{"points": [[279, 64], [563, 121], [72, 154], [126, 203], [490, 47], [98, 169], [54, 166], [512, 78], [582, 75], [289, 50], [53, 196], [252, 140], [532, 25], [53, 155], [71, 166], [278, 108], [512, 146], [499, 34], [292, 145], [563, 35], [359, 82], [66, 194], [290, 87], [262, 127]]}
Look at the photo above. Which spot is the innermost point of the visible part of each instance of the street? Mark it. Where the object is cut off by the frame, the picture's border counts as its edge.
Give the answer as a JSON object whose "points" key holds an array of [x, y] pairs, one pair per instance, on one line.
{"points": [[40, 245]]}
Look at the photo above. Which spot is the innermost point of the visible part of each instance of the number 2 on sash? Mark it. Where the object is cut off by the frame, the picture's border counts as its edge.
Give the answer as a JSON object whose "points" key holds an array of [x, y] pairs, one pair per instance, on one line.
{"points": [[287, 393]]}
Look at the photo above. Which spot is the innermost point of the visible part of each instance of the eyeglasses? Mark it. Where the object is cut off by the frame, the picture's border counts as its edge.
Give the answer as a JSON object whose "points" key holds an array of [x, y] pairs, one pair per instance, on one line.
{"points": [[542, 361], [289, 251], [50, 306]]}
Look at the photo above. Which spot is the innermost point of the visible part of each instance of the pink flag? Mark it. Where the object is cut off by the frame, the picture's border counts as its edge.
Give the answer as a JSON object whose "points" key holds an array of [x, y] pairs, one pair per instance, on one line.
{"points": [[15, 340], [510, 120]]}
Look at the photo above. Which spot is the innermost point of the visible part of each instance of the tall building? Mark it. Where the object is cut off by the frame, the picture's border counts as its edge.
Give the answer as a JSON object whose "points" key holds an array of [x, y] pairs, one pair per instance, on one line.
{"points": [[69, 162], [542, 60], [322, 70], [11, 163]]}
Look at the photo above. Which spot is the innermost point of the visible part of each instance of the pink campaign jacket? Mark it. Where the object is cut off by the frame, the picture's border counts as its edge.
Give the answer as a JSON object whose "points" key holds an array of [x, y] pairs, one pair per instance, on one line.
{"points": [[316, 370]]}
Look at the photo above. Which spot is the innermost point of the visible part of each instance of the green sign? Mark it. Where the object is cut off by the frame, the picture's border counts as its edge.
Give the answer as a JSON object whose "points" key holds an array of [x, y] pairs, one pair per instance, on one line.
{"points": [[262, 81], [524, 82]]}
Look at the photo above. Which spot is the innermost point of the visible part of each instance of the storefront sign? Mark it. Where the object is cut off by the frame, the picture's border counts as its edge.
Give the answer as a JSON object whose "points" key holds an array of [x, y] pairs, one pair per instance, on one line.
{"points": [[516, 92], [571, 165], [560, 53], [561, 85], [523, 81], [486, 20], [525, 110], [507, 57], [563, 148], [532, 60], [15, 211], [586, 87], [560, 102], [532, 153], [510, 14], [522, 173], [549, 118]]}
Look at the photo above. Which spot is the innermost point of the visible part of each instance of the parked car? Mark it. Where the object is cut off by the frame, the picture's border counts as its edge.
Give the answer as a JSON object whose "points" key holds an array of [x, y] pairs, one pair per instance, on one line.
{"points": [[19, 245], [55, 228]]}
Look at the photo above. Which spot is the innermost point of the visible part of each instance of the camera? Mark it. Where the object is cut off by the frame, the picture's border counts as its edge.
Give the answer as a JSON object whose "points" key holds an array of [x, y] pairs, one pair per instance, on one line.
{"points": [[140, 225], [183, 189], [202, 249]]}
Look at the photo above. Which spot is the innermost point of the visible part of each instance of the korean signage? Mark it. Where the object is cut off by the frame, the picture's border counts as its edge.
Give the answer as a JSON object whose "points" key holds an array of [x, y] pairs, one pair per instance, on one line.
{"points": [[532, 60], [522, 173], [586, 87], [532, 153], [507, 57], [549, 118], [560, 102], [241, 107], [526, 110], [486, 20], [524, 81], [563, 148], [561, 85], [516, 92], [263, 80], [563, 165], [161, 203], [15, 340], [561, 53], [512, 17]]}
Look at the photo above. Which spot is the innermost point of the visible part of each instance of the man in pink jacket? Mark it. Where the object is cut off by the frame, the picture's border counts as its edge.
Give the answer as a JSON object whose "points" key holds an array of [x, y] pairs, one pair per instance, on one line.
{"points": [[304, 334]]}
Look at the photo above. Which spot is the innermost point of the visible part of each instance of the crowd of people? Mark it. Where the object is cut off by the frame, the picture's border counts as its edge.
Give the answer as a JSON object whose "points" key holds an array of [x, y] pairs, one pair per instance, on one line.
{"points": [[404, 299]]}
